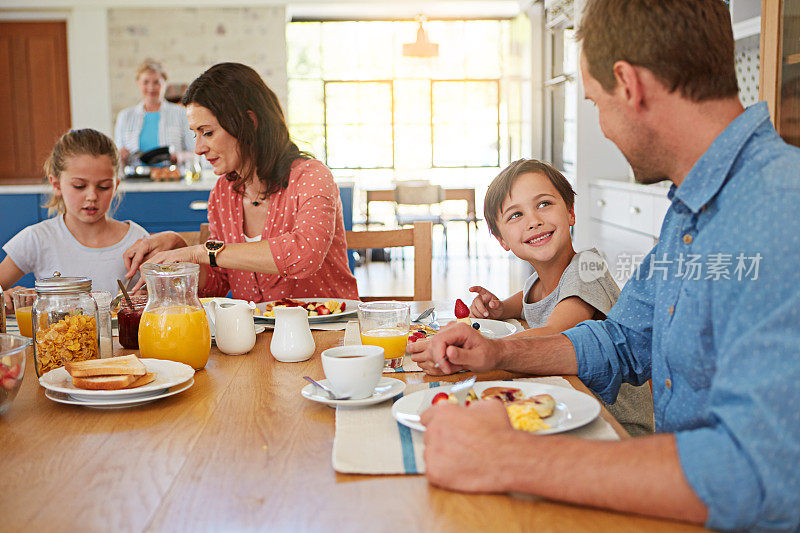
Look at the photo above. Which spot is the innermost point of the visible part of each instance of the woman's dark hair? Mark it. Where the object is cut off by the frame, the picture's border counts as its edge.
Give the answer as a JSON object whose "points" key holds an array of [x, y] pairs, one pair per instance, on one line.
{"points": [[232, 90]]}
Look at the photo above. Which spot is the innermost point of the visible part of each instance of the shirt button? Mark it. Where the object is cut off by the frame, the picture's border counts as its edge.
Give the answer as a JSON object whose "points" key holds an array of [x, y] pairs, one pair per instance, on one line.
{"points": [[687, 239], [668, 383], [671, 309]]}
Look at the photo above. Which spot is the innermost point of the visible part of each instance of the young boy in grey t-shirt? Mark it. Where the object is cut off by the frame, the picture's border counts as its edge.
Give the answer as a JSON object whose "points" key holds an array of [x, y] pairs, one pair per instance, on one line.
{"points": [[529, 208]]}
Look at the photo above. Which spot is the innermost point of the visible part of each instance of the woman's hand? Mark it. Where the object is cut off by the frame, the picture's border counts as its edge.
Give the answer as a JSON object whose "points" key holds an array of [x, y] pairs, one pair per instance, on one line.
{"points": [[486, 305], [188, 254], [143, 249]]}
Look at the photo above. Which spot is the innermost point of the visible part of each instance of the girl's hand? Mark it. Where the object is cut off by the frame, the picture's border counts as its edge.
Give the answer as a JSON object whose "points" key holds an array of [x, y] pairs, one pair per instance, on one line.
{"points": [[486, 305]]}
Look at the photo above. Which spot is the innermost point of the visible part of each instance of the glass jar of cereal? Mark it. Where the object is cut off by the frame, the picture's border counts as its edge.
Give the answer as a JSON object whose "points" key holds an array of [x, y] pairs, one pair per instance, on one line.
{"points": [[64, 322]]}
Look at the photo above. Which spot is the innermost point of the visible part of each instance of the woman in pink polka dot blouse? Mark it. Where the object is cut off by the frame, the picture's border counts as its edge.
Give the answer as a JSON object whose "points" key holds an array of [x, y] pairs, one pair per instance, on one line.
{"points": [[276, 209]]}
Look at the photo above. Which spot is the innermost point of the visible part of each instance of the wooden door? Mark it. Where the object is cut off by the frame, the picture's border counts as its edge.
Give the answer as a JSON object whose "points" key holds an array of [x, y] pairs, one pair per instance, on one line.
{"points": [[34, 96]]}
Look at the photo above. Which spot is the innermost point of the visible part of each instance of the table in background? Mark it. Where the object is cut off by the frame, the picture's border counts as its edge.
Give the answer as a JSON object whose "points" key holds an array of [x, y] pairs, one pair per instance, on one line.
{"points": [[240, 450], [467, 194]]}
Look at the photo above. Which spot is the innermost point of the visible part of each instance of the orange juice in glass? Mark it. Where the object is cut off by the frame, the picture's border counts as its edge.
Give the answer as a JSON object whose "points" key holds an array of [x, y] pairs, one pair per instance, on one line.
{"points": [[23, 303], [174, 324], [385, 324]]}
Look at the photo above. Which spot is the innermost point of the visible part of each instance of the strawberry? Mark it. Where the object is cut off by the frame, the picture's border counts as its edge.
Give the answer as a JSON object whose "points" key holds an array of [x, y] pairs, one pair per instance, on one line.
{"points": [[441, 397], [461, 311], [413, 339], [322, 310], [343, 305], [419, 334], [8, 383], [14, 371]]}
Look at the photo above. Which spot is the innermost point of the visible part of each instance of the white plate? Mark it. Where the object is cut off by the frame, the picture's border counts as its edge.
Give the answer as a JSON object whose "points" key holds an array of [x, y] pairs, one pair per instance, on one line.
{"points": [[118, 403], [350, 309], [495, 329], [492, 329], [573, 408], [396, 387], [168, 374]]}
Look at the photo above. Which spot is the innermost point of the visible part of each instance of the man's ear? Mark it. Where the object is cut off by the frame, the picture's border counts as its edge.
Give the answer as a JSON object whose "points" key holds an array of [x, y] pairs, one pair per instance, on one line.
{"points": [[629, 83], [253, 118], [572, 216]]}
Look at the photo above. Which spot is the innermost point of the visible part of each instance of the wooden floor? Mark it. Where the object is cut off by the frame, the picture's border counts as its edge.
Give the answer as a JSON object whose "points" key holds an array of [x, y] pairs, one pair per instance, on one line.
{"points": [[454, 271]]}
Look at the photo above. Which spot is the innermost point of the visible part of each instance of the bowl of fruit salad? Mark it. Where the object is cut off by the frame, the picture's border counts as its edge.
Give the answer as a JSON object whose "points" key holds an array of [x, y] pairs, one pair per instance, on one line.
{"points": [[12, 367]]}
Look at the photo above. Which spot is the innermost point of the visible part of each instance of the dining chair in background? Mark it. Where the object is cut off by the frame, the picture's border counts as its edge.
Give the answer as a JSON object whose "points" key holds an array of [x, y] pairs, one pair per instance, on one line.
{"points": [[418, 236], [196, 237], [419, 201]]}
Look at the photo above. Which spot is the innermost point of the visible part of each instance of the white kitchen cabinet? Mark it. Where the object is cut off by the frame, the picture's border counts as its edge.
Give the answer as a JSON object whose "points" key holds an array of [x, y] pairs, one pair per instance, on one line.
{"points": [[625, 221]]}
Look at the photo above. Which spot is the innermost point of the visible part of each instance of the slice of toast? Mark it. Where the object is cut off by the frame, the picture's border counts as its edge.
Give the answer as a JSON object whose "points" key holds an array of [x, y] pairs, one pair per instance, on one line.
{"points": [[104, 382], [142, 380], [113, 366]]}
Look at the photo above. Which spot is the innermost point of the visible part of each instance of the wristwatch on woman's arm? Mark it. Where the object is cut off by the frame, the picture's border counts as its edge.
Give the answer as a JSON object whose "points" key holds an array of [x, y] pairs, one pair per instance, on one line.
{"points": [[213, 248]]}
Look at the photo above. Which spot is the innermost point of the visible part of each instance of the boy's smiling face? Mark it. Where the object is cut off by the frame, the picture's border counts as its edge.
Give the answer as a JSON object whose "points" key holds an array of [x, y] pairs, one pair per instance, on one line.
{"points": [[534, 220]]}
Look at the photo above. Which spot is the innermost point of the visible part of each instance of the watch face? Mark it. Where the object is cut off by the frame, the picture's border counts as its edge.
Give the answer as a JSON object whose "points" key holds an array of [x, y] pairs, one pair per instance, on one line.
{"points": [[213, 246]]}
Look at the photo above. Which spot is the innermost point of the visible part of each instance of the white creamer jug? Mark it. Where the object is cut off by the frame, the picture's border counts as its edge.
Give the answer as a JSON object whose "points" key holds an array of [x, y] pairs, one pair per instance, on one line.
{"points": [[234, 330], [292, 341]]}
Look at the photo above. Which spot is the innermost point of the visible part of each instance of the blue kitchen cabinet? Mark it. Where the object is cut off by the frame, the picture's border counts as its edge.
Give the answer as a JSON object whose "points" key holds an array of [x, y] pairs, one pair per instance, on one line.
{"points": [[164, 210], [17, 211]]}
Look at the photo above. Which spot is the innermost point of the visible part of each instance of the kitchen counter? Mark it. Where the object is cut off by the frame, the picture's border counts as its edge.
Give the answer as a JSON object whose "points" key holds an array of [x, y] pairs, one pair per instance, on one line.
{"points": [[206, 183]]}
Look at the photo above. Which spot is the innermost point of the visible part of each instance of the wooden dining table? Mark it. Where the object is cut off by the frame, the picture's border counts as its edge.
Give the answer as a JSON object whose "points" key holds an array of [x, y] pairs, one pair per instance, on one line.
{"points": [[240, 450]]}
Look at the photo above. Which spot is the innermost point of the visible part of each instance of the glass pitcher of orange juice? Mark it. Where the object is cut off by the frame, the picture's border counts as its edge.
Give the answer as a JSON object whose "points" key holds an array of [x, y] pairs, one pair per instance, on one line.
{"points": [[173, 324]]}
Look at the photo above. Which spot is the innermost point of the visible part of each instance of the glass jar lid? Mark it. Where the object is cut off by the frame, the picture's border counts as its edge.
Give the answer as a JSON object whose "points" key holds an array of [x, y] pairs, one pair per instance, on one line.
{"points": [[59, 285], [170, 269]]}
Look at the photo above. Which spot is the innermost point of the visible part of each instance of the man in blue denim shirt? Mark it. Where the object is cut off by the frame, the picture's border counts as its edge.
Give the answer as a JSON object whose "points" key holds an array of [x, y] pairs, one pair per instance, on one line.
{"points": [[712, 315]]}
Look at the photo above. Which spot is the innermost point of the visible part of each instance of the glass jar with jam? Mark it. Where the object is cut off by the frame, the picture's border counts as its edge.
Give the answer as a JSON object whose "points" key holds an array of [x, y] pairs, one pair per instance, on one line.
{"points": [[64, 323], [128, 319]]}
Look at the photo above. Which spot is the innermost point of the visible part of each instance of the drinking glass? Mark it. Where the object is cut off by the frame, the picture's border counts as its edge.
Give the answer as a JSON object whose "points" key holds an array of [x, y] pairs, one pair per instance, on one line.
{"points": [[23, 302], [386, 324]]}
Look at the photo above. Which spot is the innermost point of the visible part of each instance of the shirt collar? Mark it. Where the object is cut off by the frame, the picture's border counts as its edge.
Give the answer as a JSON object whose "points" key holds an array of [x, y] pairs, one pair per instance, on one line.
{"points": [[710, 172]]}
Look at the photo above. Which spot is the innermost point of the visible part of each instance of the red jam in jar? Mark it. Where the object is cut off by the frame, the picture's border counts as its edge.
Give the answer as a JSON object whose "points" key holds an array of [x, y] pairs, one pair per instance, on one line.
{"points": [[128, 322]]}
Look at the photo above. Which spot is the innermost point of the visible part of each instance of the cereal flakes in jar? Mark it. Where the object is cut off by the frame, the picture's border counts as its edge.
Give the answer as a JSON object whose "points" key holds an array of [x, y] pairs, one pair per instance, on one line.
{"points": [[64, 323]]}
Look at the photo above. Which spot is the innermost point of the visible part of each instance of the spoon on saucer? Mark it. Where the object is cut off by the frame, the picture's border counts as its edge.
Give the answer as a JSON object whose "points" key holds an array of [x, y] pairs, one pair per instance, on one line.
{"points": [[330, 393]]}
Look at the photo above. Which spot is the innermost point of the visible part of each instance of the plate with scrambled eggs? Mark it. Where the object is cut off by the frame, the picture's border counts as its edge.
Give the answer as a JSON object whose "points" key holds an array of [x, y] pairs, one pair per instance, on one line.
{"points": [[534, 407]]}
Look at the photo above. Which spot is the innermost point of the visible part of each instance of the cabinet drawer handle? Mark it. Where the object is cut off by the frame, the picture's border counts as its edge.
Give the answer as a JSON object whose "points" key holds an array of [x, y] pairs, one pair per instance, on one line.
{"points": [[198, 205], [601, 203], [635, 210]]}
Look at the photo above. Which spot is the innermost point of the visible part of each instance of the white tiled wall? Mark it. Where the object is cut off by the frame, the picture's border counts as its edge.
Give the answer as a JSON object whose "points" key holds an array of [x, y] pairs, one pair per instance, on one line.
{"points": [[189, 40]]}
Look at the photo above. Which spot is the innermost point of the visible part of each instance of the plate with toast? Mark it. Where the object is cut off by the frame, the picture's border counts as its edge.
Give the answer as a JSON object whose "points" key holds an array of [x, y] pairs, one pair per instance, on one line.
{"points": [[117, 378], [118, 403]]}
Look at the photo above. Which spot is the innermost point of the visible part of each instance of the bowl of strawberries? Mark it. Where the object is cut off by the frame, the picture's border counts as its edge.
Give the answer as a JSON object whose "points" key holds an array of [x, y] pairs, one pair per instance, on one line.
{"points": [[12, 367]]}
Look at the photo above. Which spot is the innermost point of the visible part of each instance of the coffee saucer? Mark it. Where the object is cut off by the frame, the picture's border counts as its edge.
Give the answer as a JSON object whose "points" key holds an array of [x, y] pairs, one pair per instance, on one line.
{"points": [[386, 389]]}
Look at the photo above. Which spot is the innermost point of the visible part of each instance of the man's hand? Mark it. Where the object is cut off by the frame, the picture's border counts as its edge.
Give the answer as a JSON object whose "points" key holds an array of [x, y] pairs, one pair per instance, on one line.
{"points": [[462, 446], [486, 305], [456, 347]]}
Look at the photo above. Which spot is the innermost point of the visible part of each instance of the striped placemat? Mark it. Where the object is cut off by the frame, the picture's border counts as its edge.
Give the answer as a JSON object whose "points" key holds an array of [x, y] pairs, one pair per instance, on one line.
{"points": [[11, 325], [368, 440]]}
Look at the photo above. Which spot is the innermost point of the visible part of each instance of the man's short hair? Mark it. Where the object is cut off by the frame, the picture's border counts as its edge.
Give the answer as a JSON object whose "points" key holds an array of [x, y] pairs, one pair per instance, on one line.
{"points": [[687, 44], [500, 188]]}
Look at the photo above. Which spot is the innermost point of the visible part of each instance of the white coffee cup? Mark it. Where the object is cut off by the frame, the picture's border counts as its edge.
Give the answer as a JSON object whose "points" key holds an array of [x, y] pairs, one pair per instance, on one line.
{"points": [[353, 370]]}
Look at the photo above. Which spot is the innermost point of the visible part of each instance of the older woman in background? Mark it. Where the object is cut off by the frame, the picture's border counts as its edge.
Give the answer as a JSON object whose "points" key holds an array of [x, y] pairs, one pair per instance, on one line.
{"points": [[153, 122]]}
